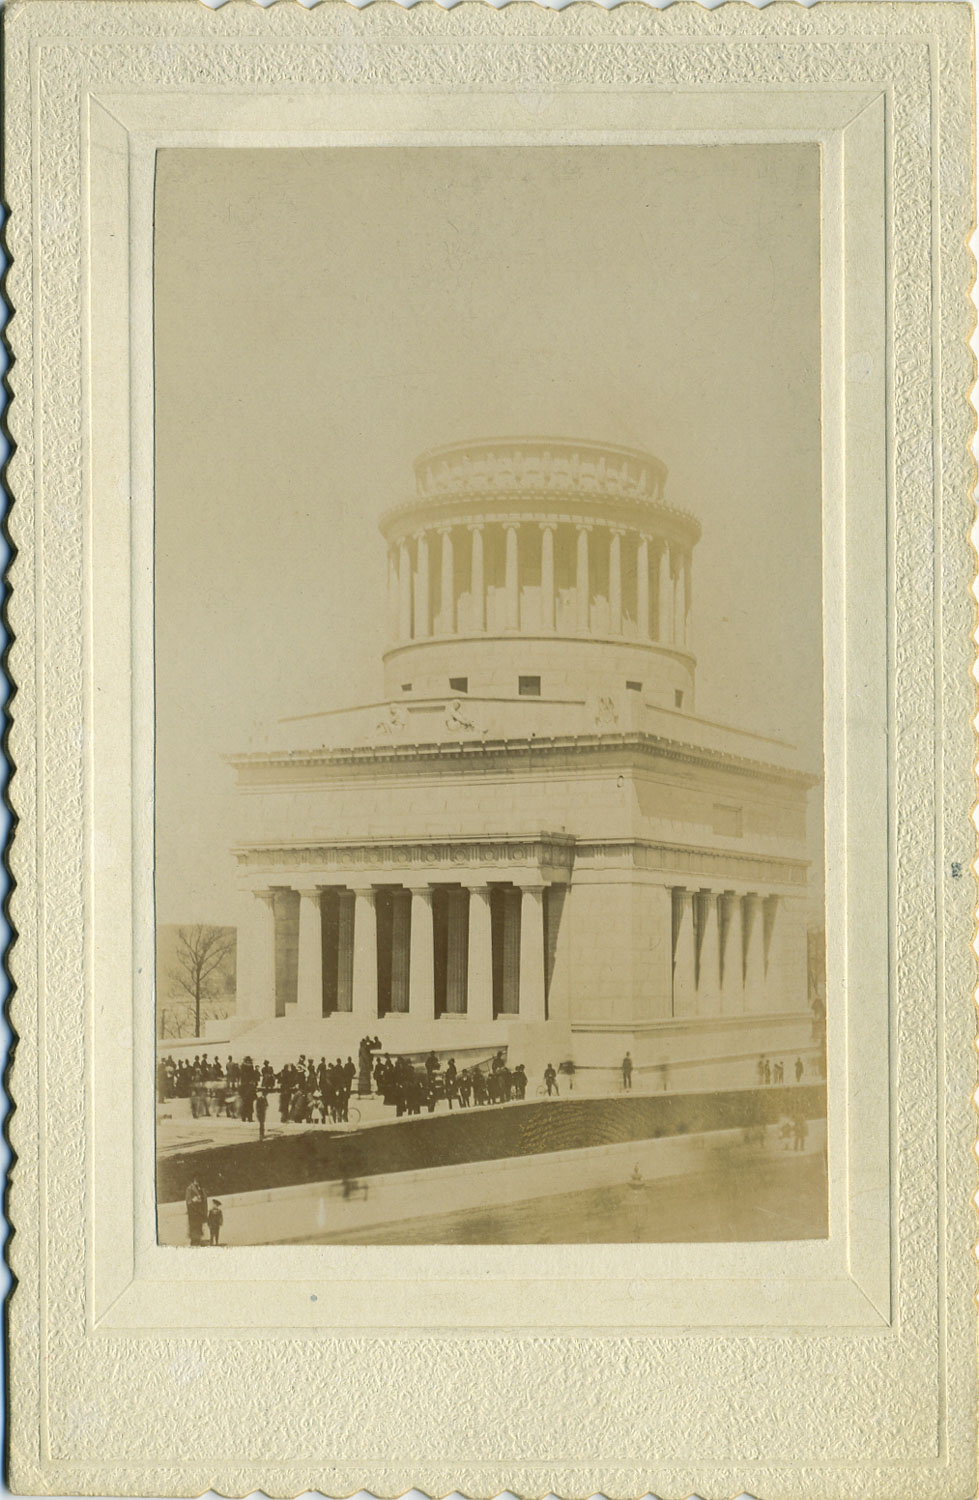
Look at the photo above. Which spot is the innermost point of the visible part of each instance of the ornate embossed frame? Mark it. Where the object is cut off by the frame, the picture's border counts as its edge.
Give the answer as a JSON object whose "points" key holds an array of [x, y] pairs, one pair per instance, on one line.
{"points": [[842, 1368]]}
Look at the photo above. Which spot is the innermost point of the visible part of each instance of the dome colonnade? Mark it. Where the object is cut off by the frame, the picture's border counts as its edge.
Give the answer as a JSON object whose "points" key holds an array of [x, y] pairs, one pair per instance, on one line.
{"points": [[538, 539]]}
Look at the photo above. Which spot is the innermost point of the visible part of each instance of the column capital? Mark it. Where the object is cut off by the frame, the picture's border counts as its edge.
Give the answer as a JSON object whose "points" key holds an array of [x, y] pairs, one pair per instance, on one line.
{"points": [[548, 524], [419, 887], [584, 525], [475, 525], [617, 530], [362, 888], [310, 892], [269, 894]]}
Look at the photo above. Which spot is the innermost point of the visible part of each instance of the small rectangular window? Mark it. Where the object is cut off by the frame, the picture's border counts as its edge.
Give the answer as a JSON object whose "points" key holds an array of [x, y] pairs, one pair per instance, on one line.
{"points": [[678, 697], [406, 687], [634, 687], [530, 687], [459, 684]]}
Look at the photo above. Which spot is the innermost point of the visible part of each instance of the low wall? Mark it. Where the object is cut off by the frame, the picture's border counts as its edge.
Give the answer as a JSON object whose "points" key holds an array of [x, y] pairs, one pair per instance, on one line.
{"points": [[475, 1135]]}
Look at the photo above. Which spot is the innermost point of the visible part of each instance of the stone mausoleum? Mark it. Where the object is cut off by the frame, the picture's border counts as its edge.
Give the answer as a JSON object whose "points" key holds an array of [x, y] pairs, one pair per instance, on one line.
{"points": [[532, 841]]}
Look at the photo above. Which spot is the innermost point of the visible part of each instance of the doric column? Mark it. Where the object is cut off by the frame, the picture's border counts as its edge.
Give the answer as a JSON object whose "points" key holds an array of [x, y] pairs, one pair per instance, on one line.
{"points": [[255, 963], [665, 596], [684, 957], [400, 950], [423, 622], [404, 592], [365, 955], [510, 987], [615, 582], [421, 981], [708, 958], [732, 955], [309, 979], [456, 948], [582, 584], [478, 584], [642, 588], [480, 979], [787, 979], [447, 612], [512, 579], [393, 600], [346, 902], [532, 1002], [547, 576], [754, 953], [680, 598]]}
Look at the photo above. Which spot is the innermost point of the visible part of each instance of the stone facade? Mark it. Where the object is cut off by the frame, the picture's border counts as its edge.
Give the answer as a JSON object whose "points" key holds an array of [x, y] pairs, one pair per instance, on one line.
{"points": [[531, 841]]}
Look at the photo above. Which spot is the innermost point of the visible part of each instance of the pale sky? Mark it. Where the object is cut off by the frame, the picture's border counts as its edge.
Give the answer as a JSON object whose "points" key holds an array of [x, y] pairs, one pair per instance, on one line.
{"points": [[323, 316]]}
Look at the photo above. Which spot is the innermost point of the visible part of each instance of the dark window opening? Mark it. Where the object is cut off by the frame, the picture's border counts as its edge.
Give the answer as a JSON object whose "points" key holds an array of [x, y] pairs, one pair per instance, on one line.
{"points": [[406, 687], [634, 687], [529, 687], [678, 697], [459, 684]]}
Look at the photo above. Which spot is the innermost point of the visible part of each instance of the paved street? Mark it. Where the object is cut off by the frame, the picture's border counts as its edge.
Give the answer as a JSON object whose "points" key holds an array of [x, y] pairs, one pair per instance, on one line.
{"points": [[739, 1196]]}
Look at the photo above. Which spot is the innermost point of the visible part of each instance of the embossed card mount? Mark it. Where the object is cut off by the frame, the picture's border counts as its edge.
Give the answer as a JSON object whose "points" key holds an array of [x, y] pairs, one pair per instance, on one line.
{"points": [[569, 363]]}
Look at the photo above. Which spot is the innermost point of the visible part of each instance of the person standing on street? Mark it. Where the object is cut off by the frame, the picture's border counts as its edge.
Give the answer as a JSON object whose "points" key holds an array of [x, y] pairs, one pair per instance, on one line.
{"points": [[627, 1071], [196, 1211], [550, 1078], [799, 1069], [261, 1110], [214, 1221]]}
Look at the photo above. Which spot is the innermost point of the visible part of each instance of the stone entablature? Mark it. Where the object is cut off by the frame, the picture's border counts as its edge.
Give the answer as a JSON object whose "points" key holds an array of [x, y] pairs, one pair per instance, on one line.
{"points": [[554, 858], [725, 867], [543, 463], [557, 508], [551, 856]]}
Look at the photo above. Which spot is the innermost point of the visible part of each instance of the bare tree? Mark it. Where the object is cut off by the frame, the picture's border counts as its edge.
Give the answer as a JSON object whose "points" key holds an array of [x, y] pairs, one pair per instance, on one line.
{"points": [[202, 953]]}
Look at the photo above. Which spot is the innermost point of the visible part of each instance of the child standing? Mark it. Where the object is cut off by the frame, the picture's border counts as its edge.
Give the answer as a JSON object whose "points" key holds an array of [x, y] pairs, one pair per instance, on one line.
{"points": [[215, 1219]]}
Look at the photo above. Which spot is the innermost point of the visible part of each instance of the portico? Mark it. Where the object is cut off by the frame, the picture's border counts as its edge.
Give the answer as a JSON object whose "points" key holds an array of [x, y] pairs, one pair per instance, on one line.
{"points": [[455, 941]]}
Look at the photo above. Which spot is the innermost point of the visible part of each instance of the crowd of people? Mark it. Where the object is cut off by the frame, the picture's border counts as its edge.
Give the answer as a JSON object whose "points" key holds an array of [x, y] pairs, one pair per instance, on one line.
{"points": [[311, 1092], [319, 1093], [306, 1091], [410, 1089], [769, 1072]]}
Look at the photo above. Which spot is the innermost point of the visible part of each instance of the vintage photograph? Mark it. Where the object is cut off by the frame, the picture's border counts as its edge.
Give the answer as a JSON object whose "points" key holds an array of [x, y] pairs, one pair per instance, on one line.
{"points": [[489, 856]]}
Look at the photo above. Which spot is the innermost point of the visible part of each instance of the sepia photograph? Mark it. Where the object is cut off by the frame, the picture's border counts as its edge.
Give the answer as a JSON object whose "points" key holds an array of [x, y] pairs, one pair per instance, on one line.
{"points": [[488, 867], [492, 749]]}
